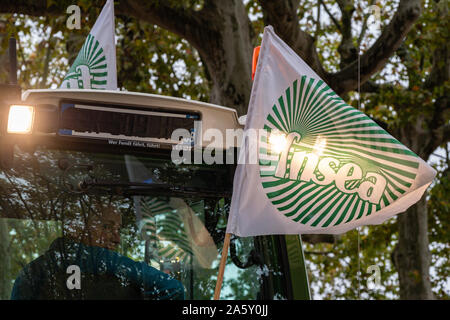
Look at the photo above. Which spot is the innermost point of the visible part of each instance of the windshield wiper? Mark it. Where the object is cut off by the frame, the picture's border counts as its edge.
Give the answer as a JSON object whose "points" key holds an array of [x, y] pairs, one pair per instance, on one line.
{"points": [[142, 188]]}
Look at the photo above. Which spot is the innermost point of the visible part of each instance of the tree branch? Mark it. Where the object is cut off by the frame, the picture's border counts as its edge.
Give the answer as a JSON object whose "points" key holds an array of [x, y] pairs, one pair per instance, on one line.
{"points": [[375, 58], [440, 70], [35, 8], [316, 33], [439, 129], [321, 253], [320, 238], [364, 25], [346, 49], [372, 87], [411, 64], [446, 134], [336, 23], [187, 23], [48, 53], [282, 15]]}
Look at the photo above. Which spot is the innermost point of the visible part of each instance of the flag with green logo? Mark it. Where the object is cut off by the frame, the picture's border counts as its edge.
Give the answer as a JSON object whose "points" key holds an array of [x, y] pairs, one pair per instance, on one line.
{"points": [[321, 165], [95, 65]]}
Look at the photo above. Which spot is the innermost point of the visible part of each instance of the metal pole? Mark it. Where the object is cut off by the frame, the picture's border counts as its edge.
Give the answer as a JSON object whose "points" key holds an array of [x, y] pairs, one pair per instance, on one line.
{"points": [[12, 61]]}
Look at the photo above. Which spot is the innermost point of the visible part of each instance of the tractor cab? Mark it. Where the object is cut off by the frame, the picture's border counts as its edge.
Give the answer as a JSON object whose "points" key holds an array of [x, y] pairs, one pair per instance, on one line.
{"points": [[72, 158]]}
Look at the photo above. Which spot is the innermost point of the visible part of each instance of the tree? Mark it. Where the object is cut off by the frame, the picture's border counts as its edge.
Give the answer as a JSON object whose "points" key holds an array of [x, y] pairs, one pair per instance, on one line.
{"points": [[420, 121], [218, 37], [222, 33], [414, 108]]}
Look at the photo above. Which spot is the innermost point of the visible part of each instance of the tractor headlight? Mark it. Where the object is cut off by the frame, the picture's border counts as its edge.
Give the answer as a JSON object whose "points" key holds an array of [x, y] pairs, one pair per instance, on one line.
{"points": [[20, 119]]}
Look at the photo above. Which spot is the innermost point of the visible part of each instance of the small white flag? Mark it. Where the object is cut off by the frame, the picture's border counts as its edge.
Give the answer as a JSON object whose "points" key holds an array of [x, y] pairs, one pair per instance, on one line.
{"points": [[323, 166], [95, 65]]}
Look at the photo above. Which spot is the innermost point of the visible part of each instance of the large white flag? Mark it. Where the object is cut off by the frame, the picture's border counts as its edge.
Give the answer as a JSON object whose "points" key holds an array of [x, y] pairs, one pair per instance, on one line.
{"points": [[323, 166], [95, 65]]}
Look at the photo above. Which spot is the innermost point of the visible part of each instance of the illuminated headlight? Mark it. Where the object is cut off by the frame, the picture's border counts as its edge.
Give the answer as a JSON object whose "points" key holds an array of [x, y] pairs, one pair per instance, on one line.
{"points": [[20, 119]]}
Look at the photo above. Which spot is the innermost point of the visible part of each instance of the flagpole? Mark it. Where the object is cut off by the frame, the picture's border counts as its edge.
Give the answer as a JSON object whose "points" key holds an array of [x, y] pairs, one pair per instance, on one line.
{"points": [[223, 261], [226, 242]]}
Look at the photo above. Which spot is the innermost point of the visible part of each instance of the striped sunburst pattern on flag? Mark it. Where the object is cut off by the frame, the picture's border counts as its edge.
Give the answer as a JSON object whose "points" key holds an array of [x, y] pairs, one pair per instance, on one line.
{"points": [[163, 226], [89, 68], [325, 139]]}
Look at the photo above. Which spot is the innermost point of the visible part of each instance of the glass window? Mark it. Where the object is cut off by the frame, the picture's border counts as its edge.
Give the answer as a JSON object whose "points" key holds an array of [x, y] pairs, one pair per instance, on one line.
{"points": [[76, 225]]}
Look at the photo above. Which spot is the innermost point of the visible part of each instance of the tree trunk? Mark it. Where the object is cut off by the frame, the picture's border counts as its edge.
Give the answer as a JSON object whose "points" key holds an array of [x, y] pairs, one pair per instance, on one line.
{"points": [[411, 256], [5, 261], [228, 56]]}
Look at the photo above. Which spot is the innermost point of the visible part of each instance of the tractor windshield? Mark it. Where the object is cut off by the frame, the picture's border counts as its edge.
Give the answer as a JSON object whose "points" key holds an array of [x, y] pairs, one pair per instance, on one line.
{"points": [[101, 225]]}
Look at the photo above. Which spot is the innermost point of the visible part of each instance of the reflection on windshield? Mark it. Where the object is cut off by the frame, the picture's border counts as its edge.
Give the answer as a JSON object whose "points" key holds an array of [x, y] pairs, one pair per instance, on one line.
{"points": [[127, 245], [170, 225], [88, 245]]}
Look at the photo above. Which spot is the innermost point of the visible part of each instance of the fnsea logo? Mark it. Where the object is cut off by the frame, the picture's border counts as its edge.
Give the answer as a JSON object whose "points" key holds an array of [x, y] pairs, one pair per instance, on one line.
{"points": [[89, 70], [324, 163]]}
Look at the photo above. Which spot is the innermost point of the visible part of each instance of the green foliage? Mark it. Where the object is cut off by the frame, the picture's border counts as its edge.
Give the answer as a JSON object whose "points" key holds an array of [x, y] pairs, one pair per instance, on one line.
{"points": [[439, 226], [153, 60], [149, 59], [339, 270]]}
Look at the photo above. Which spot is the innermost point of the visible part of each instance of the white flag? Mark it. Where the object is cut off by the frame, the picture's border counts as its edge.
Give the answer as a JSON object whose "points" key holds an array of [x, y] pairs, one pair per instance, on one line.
{"points": [[323, 166], [95, 65]]}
